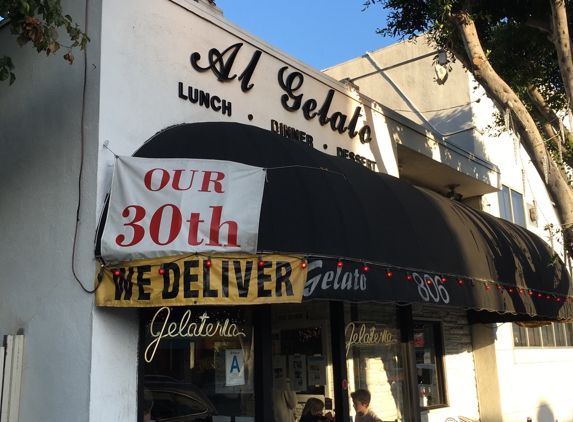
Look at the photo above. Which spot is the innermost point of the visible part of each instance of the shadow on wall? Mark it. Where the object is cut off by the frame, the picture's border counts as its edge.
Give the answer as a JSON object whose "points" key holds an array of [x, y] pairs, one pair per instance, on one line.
{"points": [[544, 412], [452, 154]]}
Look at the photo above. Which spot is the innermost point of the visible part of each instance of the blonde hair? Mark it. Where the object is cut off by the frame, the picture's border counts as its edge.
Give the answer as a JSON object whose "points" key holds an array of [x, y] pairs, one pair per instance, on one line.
{"points": [[312, 407]]}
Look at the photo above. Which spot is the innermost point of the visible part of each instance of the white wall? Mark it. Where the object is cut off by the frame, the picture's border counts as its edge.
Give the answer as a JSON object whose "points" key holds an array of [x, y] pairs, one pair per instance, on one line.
{"points": [[458, 362], [40, 144], [534, 381], [409, 87]]}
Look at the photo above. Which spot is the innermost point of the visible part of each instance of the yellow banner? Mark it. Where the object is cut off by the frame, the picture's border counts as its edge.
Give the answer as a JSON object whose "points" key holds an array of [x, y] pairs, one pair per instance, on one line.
{"points": [[201, 280]]}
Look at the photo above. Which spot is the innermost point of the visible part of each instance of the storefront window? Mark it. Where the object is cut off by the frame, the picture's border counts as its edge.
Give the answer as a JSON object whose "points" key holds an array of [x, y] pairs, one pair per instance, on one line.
{"points": [[302, 365], [429, 356], [373, 357], [199, 363]]}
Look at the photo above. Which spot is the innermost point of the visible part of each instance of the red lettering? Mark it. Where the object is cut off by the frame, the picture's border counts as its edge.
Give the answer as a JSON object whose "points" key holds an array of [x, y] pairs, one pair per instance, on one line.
{"points": [[215, 229], [174, 228], [138, 231], [177, 179], [149, 175], [217, 186], [194, 229]]}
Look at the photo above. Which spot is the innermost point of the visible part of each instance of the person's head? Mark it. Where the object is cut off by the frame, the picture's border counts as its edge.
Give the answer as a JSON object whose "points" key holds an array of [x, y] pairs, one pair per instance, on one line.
{"points": [[313, 407], [361, 400]]}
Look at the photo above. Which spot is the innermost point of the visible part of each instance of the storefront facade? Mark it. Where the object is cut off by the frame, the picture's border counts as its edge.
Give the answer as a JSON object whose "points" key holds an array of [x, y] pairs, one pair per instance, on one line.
{"points": [[354, 279]]}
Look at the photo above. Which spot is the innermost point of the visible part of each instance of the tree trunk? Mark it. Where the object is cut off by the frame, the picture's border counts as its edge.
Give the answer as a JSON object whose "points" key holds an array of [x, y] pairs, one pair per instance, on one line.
{"points": [[553, 131], [557, 187], [562, 43]]}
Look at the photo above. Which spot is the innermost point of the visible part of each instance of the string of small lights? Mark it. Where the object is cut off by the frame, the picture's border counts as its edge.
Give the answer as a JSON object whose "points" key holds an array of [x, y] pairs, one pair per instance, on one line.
{"points": [[392, 272]]}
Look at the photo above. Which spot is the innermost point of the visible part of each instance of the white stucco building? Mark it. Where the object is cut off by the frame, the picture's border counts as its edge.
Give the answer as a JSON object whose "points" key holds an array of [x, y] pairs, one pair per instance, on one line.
{"points": [[457, 109], [363, 251]]}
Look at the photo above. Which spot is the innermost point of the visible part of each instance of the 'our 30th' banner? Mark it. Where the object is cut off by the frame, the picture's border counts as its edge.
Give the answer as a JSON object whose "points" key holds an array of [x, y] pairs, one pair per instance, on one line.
{"points": [[166, 207]]}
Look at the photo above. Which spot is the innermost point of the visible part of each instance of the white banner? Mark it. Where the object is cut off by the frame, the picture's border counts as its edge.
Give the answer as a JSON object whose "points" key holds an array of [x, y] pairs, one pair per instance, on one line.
{"points": [[173, 206]]}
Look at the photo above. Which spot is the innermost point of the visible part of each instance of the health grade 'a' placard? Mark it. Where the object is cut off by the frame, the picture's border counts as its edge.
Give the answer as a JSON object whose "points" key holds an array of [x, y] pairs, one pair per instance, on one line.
{"points": [[164, 207]]}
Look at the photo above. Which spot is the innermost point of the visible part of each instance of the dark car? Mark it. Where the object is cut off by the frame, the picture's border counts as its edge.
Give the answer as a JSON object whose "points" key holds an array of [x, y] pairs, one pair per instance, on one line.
{"points": [[178, 401]]}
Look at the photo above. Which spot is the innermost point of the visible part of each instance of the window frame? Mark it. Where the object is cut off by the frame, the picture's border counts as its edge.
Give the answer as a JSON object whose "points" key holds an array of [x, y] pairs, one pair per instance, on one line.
{"points": [[439, 352], [506, 199], [560, 338]]}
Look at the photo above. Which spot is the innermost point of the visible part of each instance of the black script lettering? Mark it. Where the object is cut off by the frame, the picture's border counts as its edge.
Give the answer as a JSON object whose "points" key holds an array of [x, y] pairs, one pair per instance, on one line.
{"points": [[222, 66], [337, 121], [365, 134], [352, 125], [217, 63], [291, 101], [308, 109], [294, 81], [245, 77], [323, 112]]}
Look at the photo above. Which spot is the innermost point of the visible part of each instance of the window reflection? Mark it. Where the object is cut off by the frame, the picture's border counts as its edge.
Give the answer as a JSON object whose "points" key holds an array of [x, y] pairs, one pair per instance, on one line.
{"points": [[374, 362], [199, 363], [427, 343]]}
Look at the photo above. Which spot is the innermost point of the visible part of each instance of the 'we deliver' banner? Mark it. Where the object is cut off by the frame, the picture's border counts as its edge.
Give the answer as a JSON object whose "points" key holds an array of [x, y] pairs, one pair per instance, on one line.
{"points": [[172, 206]]}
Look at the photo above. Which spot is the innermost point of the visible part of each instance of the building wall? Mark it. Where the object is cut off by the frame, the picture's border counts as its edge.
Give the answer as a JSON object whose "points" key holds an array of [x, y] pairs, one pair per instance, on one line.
{"points": [[406, 82], [40, 168], [80, 362], [458, 109], [533, 381], [458, 362], [528, 385]]}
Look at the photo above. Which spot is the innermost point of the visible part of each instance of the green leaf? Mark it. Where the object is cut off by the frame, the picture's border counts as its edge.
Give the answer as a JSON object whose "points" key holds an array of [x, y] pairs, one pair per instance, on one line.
{"points": [[22, 40], [54, 33], [4, 74], [12, 78], [24, 8]]}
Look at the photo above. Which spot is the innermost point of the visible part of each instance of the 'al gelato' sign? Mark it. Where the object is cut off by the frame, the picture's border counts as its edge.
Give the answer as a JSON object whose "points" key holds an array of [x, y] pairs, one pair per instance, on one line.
{"points": [[222, 65]]}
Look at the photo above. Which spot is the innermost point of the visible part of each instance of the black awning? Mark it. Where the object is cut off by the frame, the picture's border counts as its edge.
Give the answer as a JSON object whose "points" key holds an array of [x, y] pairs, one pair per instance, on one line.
{"points": [[417, 245]]}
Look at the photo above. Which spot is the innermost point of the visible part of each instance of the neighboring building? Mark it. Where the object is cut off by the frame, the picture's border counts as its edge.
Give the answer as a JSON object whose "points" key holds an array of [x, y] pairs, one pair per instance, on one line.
{"points": [[230, 261], [406, 76]]}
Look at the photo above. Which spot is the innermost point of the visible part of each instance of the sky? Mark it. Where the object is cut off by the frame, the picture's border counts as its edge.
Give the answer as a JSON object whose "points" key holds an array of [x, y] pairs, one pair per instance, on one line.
{"points": [[320, 33]]}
